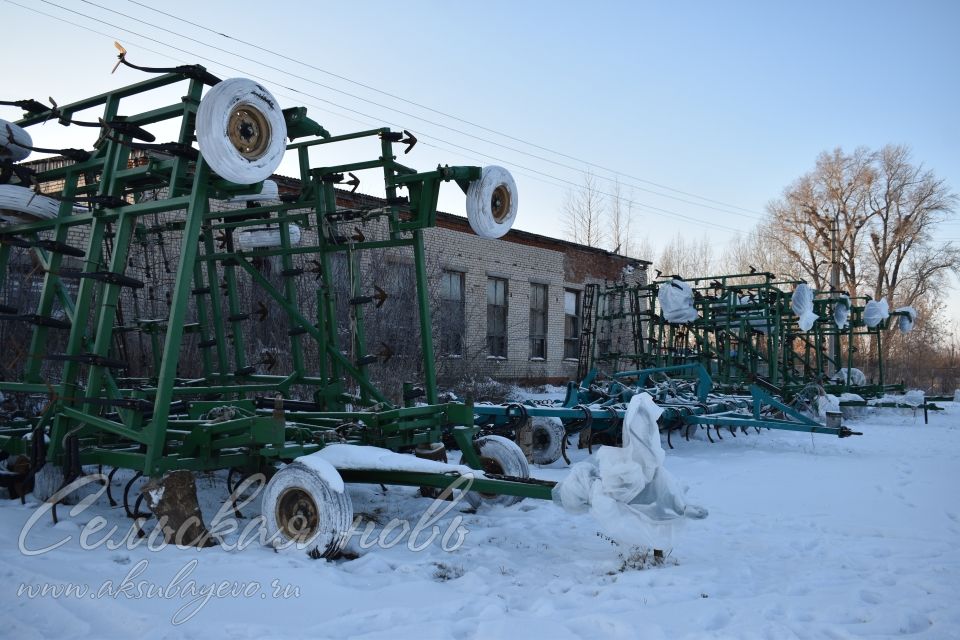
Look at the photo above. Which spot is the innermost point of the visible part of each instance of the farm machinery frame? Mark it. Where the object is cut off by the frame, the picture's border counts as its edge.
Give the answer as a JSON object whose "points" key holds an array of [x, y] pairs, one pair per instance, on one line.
{"points": [[92, 224]]}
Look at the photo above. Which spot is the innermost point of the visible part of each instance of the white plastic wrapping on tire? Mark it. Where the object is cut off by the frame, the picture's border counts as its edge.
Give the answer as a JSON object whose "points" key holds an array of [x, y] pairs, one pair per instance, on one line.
{"points": [[856, 377], [841, 312], [627, 489], [875, 312], [20, 204], [9, 149], [676, 302], [480, 194], [802, 306], [213, 118], [265, 237], [905, 322]]}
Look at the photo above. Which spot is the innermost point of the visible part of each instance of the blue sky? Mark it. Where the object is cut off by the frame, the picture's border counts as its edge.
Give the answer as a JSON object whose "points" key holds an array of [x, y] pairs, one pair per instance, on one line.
{"points": [[725, 101]]}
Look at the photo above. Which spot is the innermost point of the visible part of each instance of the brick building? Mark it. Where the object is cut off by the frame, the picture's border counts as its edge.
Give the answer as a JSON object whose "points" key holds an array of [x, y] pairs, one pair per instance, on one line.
{"points": [[509, 308]]}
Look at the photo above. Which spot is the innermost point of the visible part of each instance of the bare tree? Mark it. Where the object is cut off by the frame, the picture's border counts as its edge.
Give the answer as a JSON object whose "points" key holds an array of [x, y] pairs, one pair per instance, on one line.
{"points": [[622, 240], [906, 204], [833, 198], [686, 257], [881, 209], [583, 217], [757, 251]]}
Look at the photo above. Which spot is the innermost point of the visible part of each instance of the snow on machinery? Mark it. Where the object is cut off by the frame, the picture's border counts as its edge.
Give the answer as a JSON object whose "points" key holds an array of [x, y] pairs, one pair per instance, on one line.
{"points": [[126, 273]]}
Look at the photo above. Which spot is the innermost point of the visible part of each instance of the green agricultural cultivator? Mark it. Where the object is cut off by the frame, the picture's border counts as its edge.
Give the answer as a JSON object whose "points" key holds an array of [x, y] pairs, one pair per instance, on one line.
{"points": [[165, 307], [745, 329], [595, 410], [730, 352]]}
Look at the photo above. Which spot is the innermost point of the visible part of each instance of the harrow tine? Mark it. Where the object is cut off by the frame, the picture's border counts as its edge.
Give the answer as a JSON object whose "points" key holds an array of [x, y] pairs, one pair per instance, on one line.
{"points": [[110, 475], [126, 494]]}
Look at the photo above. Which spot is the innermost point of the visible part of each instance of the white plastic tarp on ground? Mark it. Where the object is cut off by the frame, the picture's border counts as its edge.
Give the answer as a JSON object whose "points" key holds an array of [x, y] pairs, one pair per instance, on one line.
{"points": [[875, 312], [676, 302], [626, 489], [802, 305]]}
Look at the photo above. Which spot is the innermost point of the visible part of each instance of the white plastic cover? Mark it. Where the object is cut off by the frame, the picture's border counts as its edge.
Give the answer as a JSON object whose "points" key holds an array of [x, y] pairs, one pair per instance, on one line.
{"points": [[875, 312], [802, 305], [905, 323], [9, 149], [827, 403], [857, 377], [841, 312], [915, 397], [626, 489], [676, 302], [264, 237], [480, 195]]}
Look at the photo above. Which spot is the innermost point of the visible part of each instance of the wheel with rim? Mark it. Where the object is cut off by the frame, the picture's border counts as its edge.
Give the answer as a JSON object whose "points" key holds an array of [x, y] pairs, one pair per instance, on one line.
{"points": [[548, 435], [10, 149], [492, 202], [20, 204], [308, 507], [241, 131], [499, 456]]}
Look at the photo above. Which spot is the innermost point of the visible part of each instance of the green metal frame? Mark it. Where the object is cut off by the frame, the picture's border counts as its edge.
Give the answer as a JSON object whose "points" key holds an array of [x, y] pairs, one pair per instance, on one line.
{"points": [[155, 423]]}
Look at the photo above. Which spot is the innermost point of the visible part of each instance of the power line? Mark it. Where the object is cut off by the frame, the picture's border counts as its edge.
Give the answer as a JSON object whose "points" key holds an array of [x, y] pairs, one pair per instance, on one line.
{"points": [[640, 205], [433, 110], [393, 109]]}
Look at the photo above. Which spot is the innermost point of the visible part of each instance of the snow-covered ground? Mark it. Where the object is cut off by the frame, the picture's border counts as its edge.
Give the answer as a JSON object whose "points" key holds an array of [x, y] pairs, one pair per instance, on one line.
{"points": [[808, 537]]}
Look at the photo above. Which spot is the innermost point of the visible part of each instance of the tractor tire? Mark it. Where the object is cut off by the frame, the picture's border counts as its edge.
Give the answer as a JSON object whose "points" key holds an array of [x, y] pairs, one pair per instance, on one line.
{"points": [[492, 202], [548, 435], [241, 131], [304, 507], [10, 149], [499, 456]]}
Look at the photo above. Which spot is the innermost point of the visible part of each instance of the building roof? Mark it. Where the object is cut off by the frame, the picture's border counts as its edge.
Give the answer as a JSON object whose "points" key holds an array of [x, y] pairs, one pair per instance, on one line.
{"points": [[460, 223]]}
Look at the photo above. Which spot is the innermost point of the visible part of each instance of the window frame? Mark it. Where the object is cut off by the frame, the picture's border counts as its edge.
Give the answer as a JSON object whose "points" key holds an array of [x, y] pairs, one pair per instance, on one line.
{"points": [[497, 344], [571, 344], [539, 339], [449, 316]]}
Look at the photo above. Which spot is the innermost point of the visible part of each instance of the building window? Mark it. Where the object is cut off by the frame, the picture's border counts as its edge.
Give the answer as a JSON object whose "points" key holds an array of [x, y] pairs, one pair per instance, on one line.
{"points": [[571, 330], [497, 317], [452, 318], [538, 320]]}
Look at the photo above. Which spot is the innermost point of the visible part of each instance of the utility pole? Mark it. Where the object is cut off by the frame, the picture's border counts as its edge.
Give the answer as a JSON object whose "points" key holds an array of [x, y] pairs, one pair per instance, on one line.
{"points": [[835, 286]]}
